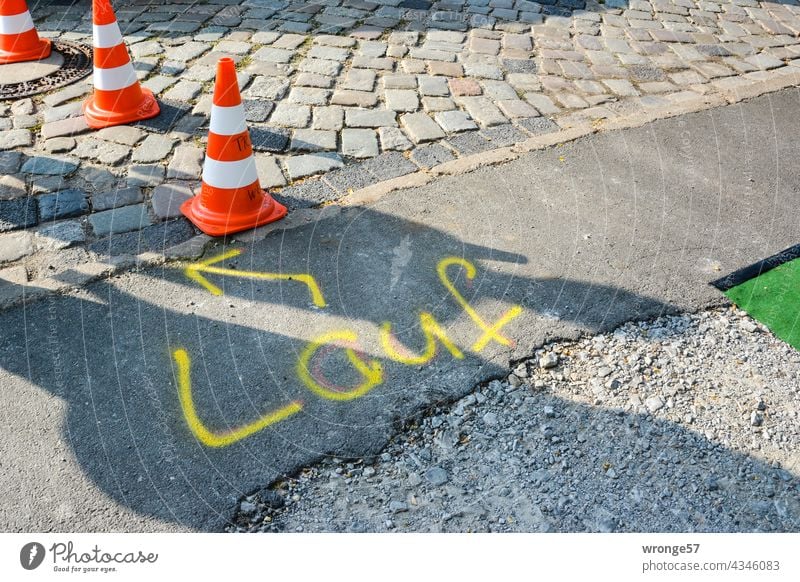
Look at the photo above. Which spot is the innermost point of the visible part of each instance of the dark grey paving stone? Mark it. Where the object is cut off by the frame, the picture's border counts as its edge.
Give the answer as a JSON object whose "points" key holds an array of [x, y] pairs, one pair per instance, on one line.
{"points": [[171, 113], [174, 29], [447, 21], [50, 184], [155, 238], [191, 17], [269, 139], [538, 125], [556, 11], [50, 166], [10, 162], [520, 65], [353, 176], [381, 21], [504, 135], [331, 29], [167, 199], [62, 204], [120, 220], [117, 197], [191, 125], [295, 27], [389, 165], [431, 155], [98, 179], [226, 19], [416, 4], [18, 213], [470, 142], [306, 195], [257, 110]]}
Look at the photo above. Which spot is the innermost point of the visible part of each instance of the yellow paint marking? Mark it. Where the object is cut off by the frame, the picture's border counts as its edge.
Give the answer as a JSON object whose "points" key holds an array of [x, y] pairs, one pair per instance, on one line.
{"points": [[490, 332], [215, 439], [371, 371], [431, 329], [194, 271]]}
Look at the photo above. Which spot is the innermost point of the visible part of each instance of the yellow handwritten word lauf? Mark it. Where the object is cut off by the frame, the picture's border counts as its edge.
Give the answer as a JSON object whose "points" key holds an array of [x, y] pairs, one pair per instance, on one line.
{"points": [[370, 371]]}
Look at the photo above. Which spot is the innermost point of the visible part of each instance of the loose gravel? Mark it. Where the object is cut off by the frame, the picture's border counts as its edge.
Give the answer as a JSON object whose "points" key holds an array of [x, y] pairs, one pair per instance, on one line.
{"points": [[682, 424]]}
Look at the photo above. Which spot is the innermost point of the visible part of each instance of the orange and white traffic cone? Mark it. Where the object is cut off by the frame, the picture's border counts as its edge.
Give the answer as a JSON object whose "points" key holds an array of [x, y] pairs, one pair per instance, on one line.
{"points": [[19, 40], [231, 198], [118, 98]]}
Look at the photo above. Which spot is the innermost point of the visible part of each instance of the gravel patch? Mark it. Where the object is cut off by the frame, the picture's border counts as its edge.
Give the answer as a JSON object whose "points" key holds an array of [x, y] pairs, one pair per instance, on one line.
{"points": [[683, 424]]}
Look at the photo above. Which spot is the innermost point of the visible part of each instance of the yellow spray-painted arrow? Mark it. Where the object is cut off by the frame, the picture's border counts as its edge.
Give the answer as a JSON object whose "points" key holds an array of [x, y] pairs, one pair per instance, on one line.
{"points": [[194, 271]]}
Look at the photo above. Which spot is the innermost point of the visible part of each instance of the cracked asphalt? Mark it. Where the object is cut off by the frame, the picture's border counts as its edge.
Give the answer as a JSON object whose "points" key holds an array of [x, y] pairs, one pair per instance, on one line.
{"points": [[146, 402]]}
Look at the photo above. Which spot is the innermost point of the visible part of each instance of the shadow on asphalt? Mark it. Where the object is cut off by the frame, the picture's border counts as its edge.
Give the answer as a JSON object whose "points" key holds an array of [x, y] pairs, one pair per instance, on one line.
{"points": [[108, 354]]}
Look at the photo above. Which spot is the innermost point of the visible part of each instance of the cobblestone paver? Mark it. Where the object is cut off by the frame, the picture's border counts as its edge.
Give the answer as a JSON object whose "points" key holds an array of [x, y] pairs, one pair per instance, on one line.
{"points": [[331, 86]]}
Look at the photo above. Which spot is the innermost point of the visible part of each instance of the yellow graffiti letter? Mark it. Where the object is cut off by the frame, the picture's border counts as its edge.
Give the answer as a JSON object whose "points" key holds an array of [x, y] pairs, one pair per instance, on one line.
{"points": [[194, 271], [371, 371], [431, 329], [490, 332], [199, 429]]}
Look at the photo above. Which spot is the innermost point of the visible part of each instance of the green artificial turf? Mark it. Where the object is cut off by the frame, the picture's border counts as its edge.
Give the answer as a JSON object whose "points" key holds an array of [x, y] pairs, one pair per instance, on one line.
{"points": [[773, 298]]}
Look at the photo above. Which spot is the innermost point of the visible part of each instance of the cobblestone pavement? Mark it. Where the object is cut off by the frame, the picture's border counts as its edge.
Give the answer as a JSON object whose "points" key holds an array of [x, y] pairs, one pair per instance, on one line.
{"points": [[342, 94]]}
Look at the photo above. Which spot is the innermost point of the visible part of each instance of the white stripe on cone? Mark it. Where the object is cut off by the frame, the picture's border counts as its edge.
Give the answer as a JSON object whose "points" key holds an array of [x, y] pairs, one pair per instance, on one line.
{"points": [[106, 35], [16, 24], [227, 120], [239, 174], [115, 78]]}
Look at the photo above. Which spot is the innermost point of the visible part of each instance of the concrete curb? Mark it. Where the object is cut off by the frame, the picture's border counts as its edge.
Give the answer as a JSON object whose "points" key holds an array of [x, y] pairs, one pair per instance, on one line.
{"points": [[575, 127]]}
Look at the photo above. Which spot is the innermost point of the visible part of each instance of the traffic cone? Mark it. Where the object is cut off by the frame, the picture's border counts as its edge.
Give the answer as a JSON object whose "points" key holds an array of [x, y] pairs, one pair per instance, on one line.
{"points": [[19, 40], [118, 98], [231, 198]]}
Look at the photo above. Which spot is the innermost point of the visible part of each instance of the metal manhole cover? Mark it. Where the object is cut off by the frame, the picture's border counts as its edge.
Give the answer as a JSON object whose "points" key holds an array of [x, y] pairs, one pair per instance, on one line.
{"points": [[68, 62]]}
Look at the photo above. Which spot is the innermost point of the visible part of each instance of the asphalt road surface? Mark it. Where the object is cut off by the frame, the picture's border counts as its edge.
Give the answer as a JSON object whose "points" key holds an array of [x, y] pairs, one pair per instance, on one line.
{"points": [[155, 400]]}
